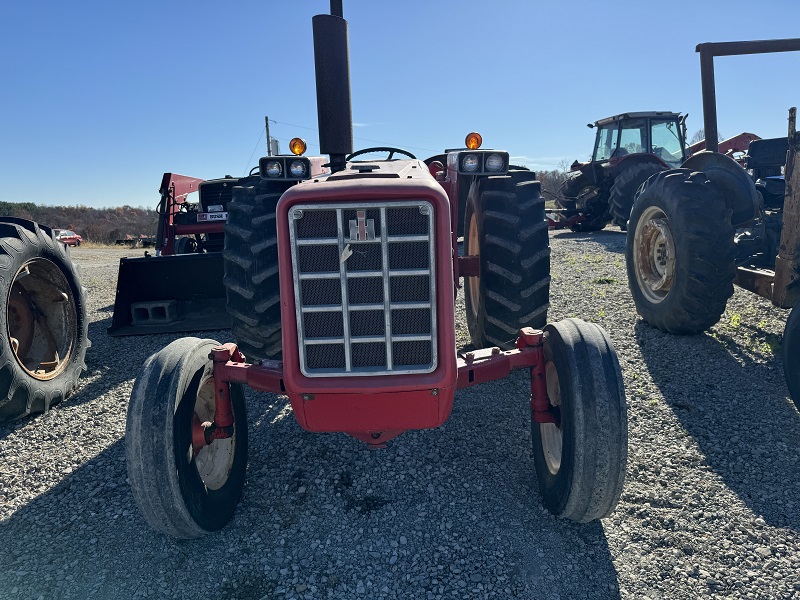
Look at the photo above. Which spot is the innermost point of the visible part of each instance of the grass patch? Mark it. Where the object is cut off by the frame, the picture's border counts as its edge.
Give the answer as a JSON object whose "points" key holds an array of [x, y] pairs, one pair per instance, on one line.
{"points": [[605, 280]]}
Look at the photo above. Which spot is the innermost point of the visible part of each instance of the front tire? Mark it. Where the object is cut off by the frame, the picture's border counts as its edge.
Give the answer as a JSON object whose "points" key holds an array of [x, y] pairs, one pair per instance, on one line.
{"points": [[620, 198], [181, 494], [504, 224], [580, 463], [791, 354], [680, 252], [44, 325]]}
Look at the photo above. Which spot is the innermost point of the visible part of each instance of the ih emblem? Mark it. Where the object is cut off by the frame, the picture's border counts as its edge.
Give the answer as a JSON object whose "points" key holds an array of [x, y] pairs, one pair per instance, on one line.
{"points": [[361, 228]]}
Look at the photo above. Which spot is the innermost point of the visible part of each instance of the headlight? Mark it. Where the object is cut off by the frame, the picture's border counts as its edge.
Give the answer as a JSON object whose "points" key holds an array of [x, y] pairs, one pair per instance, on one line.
{"points": [[274, 169], [494, 162], [470, 163], [297, 168]]}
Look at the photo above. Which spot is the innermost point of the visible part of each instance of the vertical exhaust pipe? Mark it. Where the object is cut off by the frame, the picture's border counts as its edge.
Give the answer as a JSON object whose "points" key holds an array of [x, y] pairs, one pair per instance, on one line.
{"points": [[332, 66]]}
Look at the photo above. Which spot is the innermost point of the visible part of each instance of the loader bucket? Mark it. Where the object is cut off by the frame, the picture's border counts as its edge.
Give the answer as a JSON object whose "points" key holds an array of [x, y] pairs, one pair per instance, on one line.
{"points": [[167, 294]]}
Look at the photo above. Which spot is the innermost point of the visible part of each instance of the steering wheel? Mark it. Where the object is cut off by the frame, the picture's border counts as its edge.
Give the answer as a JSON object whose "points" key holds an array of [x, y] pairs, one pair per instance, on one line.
{"points": [[388, 149]]}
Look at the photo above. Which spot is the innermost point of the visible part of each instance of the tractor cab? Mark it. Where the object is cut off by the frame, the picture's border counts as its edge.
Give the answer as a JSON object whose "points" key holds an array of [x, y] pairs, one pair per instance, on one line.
{"points": [[658, 133]]}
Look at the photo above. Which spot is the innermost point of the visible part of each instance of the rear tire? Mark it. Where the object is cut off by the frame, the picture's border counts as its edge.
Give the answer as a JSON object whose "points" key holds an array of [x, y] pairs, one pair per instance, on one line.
{"points": [[185, 245], [504, 224], [44, 325], [180, 494], [580, 463], [251, 270], [620, 198], [680, 252], [791, 354], [597, 217]]}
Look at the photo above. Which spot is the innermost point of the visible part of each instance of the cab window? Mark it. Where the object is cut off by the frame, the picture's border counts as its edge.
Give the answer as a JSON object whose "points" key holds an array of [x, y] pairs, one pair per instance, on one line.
{"points": [[606, 141], [667, 141], [633, 137]]}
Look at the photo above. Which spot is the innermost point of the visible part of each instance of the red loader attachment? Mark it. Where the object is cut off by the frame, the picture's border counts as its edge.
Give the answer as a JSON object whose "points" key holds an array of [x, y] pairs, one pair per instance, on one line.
{"points": [[180, 288]]}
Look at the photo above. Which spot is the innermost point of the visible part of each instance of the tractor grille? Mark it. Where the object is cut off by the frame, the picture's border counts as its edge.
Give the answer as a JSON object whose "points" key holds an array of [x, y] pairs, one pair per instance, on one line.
{"points": [[216, 193], [364, 285]]}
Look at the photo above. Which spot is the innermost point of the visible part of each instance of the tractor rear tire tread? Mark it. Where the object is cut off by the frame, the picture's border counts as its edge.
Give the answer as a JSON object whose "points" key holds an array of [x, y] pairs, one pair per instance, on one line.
{"points": [[623, 190], [705, 268], [251, 271], [791, 354], [515, 259], [22, 240]]}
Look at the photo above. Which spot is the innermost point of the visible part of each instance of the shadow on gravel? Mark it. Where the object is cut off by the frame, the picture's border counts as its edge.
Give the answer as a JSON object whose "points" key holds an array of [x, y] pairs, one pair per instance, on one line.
{"points": [[453, 512], [738, 412]]}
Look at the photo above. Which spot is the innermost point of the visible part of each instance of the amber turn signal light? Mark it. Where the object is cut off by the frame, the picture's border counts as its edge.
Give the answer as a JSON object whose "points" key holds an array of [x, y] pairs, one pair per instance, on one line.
{"points": [[474, 141], [297, 146]]}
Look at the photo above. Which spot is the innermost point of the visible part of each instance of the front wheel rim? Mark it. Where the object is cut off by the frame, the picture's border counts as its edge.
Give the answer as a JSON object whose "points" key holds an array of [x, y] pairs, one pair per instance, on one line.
{"points": [[213, 462], [654, 254], [473, 249], [551, 435]]}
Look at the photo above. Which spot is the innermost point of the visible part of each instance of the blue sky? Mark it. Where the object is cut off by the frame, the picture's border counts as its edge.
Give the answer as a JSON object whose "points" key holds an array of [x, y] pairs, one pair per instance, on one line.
{"points": [[98, 99]]}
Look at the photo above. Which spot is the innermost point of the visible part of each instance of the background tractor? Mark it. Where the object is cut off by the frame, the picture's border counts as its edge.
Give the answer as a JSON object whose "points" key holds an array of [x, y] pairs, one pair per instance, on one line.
{"points": [[628, 149], [180, 287], [43, 320], [695, 231], [352, 278]]}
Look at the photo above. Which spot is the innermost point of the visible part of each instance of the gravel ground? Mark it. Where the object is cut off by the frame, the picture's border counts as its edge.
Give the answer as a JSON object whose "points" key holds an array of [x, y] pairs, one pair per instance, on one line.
{"points": [[711, 506]]}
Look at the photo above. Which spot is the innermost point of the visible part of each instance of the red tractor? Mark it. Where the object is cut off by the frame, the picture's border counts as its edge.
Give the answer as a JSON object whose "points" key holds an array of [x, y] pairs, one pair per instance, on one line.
{"points": [[628, 149], [342, 292]]}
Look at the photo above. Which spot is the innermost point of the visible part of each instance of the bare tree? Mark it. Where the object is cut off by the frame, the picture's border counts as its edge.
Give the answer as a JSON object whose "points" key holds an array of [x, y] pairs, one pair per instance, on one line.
{"points": [[700, 135]]}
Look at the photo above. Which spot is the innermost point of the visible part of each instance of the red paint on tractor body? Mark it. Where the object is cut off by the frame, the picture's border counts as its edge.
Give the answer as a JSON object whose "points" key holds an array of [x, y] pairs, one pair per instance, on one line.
{"points": [[376, 414], [382, 402]]}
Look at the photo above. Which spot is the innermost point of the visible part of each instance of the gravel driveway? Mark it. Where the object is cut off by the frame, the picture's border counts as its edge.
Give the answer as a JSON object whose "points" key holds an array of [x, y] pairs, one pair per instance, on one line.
{"points": [[711, 506]]}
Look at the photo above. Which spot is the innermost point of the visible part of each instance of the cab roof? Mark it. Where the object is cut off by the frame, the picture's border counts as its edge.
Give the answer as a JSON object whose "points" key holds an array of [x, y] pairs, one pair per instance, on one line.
{"points": [[636, 115]]}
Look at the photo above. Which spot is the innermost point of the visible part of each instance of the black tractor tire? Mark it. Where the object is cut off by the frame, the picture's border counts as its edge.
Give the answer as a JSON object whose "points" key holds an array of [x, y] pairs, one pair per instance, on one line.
{"points": [[680, 252], [592, 223], [181, 494], [185, 245], [570, 190], [504, 224], [251, 270], [580, 462], [623, 190], [791, 354], [44, 325]]}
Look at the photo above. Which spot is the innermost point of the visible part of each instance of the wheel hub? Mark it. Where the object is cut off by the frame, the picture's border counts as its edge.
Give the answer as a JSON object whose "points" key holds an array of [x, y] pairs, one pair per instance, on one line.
{"points": [[214, 461], [41, 319], [552, 438], [654, 255]]}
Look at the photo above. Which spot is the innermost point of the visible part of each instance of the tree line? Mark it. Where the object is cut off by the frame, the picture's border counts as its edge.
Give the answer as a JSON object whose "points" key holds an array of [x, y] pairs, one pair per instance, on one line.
{"points": [[107, 225], [101, 225]]}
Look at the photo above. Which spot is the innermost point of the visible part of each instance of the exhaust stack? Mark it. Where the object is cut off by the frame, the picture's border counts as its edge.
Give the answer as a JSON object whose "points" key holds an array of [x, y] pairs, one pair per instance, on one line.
{"points": [[332, 66]]}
